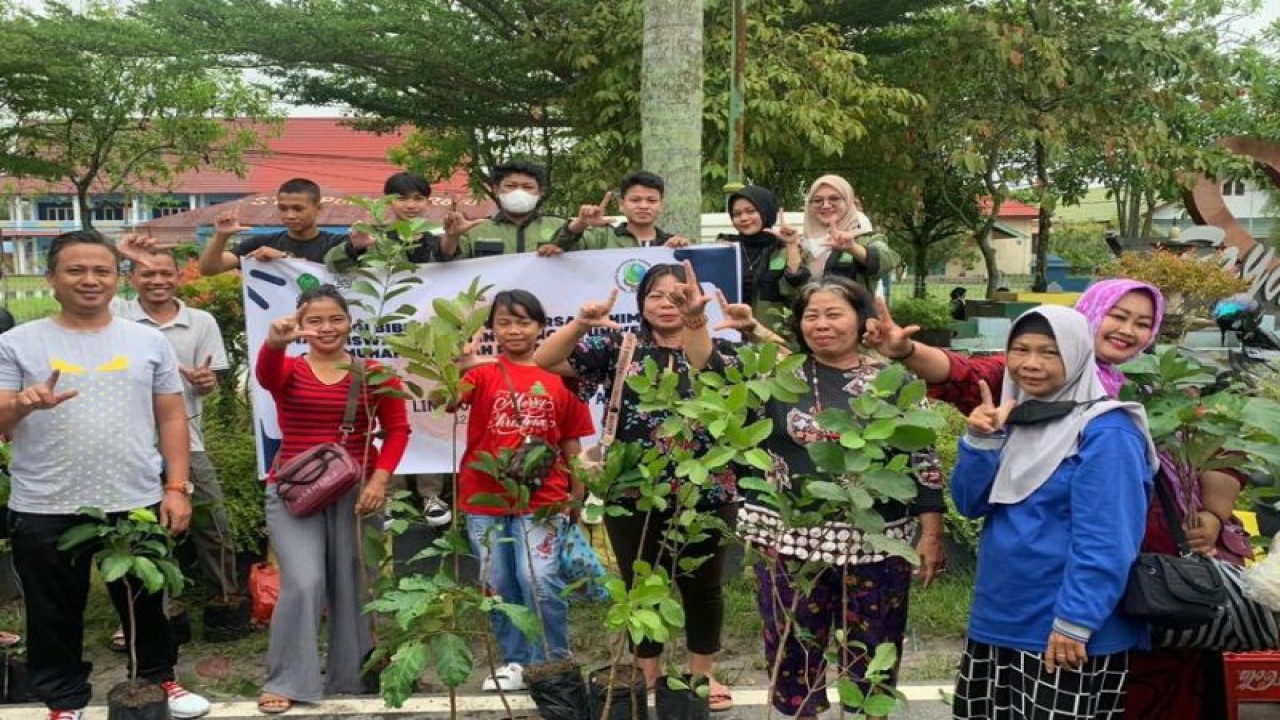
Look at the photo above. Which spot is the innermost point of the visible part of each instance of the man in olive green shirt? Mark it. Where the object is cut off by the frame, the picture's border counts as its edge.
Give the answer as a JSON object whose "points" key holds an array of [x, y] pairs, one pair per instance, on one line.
{"points": [[640, 197], [519, 188]]}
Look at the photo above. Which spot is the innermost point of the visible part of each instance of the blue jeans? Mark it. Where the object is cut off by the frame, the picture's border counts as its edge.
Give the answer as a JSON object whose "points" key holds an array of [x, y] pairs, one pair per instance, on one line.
{"points": [[508, 547]]}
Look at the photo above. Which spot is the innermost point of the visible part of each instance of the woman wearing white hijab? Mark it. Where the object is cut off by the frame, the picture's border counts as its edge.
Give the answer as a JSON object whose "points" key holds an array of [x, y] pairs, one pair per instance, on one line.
{"points": [[839, 237], [1061, 475]]}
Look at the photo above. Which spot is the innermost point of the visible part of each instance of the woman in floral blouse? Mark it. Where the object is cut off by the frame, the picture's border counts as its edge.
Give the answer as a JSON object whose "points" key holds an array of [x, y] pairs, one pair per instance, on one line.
{"points": [[588, 349]]}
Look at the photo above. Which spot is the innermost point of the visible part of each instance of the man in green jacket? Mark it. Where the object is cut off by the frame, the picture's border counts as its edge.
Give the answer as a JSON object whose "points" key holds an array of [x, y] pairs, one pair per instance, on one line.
{"points": [[519, 188], [640, 198]]}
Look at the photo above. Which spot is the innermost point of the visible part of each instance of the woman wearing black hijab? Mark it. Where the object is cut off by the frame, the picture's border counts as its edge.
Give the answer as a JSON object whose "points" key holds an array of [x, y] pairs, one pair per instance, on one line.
{"points": [[773, 262]]}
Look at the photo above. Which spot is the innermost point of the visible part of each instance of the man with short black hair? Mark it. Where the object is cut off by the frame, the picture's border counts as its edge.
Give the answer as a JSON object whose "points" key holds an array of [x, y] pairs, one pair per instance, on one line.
{"points": [[298, 202], [410, 197], [640, 195], [84, 397], [202, 356], [519, 189]]}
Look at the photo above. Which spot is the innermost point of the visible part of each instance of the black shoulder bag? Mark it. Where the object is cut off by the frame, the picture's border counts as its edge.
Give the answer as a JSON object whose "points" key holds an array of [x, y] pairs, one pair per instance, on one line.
{"points": [[1174, 591]]}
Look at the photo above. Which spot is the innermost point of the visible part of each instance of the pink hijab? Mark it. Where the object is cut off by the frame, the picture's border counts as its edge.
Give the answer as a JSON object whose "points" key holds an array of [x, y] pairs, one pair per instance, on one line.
{"points": [[1097, 301]]}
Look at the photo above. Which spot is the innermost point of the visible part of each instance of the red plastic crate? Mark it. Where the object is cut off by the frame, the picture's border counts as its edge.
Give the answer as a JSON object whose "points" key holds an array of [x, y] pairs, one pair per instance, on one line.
{"points": [[1251, 677]]}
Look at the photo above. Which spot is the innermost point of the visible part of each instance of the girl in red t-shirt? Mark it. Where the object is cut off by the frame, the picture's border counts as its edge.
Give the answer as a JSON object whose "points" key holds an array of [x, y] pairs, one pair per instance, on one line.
{"points": [[518, 547]]}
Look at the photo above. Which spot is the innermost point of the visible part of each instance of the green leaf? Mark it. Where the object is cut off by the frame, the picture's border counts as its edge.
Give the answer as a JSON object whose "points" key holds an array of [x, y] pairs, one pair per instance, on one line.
{"points": [[151, 577], [115, 566], [79, 535], [880, 429], [758, 459], [880, 705], [453, 659], [910, 438]]}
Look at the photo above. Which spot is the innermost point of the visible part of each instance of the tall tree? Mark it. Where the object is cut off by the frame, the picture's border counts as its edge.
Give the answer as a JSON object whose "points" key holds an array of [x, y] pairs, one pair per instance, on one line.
{"points": [[671, 107], [110, 112]]}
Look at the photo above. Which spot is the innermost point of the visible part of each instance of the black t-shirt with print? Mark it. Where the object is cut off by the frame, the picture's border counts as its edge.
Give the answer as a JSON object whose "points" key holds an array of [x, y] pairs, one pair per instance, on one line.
{"points": [[314, 249]]}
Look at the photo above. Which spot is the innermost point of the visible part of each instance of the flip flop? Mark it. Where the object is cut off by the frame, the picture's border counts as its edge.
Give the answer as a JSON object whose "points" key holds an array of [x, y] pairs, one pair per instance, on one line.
{"points": [[273, 704], [720, 699], [8, 639]]}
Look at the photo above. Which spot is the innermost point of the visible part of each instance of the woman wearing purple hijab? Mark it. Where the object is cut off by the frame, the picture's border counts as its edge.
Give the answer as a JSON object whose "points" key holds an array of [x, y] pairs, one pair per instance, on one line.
{"points": [[1124, 316]]}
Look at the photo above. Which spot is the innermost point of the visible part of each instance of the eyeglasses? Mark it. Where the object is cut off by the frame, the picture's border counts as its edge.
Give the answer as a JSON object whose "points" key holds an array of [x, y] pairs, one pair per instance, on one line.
{"points": [[820, 200]]}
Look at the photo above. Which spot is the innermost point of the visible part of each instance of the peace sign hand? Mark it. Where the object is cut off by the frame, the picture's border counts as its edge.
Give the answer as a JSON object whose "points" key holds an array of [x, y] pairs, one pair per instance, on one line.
{"points": [[987, 418], [886, 336], [596, 314], [737, 316], [228, 223], [284, 331], [43, 395], [457, 224]]}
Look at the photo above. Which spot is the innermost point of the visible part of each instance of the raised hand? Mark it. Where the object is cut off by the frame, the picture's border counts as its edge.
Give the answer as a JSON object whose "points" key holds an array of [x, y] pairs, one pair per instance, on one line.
{"points": [[201, 377], [840, 240], [594, 215], [43, 395], [596, 314], [737, 316], [988, 418], [456, 224], [140, 248], [286, 330], [886, 336], [688, 296], [228, 223], [788, 234]]}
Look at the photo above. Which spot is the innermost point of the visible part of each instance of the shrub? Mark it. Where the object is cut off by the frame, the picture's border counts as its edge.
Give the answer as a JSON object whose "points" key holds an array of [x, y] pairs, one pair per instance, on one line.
{"points": [[928, 313]]}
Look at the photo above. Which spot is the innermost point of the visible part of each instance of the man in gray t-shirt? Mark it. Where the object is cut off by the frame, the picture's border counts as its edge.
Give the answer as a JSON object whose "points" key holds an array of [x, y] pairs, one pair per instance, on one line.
{"points": [[197, 341], [84, 397]]}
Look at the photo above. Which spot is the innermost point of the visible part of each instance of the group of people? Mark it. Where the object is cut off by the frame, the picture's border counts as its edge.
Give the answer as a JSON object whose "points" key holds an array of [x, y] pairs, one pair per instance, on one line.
{"points": [[1045, 440]]}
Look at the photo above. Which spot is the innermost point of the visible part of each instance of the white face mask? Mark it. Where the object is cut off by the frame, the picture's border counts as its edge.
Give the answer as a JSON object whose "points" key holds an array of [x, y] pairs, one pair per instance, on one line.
{"points": [[518, 202]]}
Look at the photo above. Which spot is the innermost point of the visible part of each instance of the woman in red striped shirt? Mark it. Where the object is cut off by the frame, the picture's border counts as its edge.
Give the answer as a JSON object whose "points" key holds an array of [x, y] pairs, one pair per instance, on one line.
{"points": [[319, 554]]}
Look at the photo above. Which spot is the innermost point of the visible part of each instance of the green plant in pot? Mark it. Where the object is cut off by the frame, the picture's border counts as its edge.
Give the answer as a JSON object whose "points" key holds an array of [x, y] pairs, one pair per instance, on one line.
{"points": [[135, 549], [932, 316]]}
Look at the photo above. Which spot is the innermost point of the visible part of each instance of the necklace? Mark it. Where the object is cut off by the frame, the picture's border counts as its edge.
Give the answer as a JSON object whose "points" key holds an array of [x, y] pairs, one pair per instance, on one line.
{"points": [[814, 383]]}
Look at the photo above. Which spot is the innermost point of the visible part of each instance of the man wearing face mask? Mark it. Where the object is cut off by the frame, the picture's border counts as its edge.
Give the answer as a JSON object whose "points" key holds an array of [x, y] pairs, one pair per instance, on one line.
{"points": [[517, 226]]}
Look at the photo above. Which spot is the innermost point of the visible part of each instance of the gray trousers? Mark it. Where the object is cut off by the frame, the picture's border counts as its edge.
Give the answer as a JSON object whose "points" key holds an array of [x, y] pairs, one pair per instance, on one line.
{"points": [[319, 569], [215, 549]]}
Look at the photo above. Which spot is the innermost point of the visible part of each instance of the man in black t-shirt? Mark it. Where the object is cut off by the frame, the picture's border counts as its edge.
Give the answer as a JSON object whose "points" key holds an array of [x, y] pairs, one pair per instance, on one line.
{"points": [[298, 201]]}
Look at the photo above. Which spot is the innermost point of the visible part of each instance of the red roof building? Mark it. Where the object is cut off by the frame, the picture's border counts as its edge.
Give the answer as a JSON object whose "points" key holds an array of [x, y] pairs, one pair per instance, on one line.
{"points": [[344, 161]]}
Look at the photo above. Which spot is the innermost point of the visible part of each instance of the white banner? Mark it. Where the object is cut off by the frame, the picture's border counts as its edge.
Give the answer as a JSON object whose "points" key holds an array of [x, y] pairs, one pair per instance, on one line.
{"points": [[563, 284]]}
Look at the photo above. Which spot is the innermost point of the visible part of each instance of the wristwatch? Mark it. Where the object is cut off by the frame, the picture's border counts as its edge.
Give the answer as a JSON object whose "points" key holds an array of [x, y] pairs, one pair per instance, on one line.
{"points": [[186, 487]]}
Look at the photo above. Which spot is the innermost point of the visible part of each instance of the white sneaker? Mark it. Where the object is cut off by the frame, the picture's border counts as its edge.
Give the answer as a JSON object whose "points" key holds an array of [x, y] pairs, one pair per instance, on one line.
{"points": [[436, 511], [184, 704], [66, 715], [508, 678]]}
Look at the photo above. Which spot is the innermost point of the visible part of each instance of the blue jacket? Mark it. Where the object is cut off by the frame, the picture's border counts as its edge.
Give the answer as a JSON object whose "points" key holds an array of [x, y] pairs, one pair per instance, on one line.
{"points": [[1060, 558]]}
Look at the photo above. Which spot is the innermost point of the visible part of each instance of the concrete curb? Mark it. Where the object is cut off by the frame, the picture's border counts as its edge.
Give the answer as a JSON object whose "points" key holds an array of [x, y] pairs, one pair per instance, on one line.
{"points": [[469, 706]]}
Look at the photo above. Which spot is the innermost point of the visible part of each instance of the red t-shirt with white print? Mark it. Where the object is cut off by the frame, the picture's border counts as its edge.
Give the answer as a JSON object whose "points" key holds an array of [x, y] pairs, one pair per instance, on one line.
{"points": [[548, 410]]}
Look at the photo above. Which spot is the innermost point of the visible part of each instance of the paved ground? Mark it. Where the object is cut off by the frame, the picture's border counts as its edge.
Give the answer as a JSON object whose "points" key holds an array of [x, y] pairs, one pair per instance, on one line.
{"points": [[750, 706]]}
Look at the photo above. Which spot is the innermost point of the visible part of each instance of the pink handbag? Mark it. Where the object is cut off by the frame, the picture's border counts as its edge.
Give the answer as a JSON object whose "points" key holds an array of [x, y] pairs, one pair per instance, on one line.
{"points": [[318, 476]]}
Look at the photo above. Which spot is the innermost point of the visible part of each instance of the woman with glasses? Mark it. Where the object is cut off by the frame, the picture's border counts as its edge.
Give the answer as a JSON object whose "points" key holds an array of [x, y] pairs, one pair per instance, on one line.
{"points": [[838, 236]]}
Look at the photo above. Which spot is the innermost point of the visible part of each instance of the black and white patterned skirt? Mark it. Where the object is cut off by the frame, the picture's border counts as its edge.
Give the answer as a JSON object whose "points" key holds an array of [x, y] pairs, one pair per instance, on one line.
{"points": [[998, 683]]}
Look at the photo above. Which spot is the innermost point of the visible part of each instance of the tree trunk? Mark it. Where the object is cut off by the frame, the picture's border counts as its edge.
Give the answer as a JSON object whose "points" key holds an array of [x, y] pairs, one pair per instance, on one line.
{"points": [[1040, 246], [983, 239], [921, 264], [86, 210], [671, 102]]}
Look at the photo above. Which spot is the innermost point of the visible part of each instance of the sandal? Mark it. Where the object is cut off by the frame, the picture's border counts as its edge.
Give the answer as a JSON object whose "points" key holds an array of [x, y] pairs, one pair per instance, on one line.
{"points": [[8, 639], [273, 704], [118, 641], [720, 699]]}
